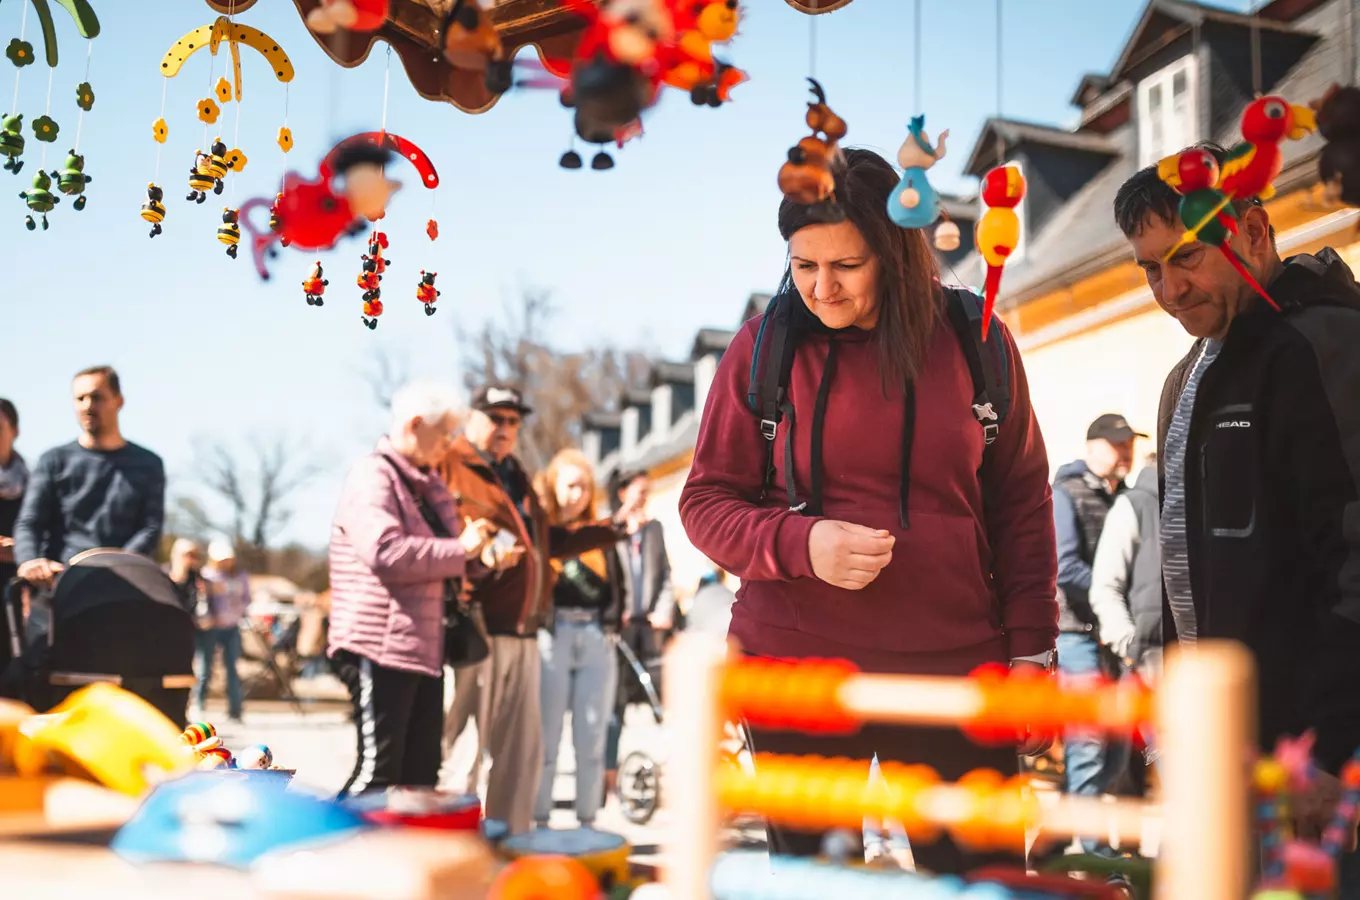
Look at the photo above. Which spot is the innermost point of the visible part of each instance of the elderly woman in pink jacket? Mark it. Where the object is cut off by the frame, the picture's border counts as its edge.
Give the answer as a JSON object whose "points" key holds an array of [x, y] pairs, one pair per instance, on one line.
{"points": [[397, 547]]}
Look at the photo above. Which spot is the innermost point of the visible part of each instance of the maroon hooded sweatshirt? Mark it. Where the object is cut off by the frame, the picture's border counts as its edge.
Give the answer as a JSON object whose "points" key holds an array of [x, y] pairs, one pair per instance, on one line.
{"points": [[961, 589]]}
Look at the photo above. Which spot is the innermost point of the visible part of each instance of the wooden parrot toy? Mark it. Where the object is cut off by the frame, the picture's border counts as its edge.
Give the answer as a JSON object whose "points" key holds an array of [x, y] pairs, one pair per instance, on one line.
{"points": [[1193, 174], [997, 233], [315, 286], [1252, 166], [426, 292]]}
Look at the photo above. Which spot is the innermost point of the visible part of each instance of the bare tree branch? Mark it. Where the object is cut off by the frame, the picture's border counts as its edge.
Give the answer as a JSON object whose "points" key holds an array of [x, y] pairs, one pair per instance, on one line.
{"points": [[386, 371]]}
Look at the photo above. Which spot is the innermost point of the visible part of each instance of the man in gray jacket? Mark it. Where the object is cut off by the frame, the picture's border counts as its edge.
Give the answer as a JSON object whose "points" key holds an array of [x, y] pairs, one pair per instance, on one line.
{"points": [[1126, 577]]}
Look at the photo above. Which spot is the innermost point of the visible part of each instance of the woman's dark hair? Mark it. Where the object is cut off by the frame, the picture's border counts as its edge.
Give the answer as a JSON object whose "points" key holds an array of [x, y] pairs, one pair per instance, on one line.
{"points": [[10, 414], [618, 482], [909, 301]]}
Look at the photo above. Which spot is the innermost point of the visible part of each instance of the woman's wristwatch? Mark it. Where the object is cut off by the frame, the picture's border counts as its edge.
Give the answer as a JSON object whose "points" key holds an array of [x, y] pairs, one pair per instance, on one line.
{"points": [[1048, 659]]}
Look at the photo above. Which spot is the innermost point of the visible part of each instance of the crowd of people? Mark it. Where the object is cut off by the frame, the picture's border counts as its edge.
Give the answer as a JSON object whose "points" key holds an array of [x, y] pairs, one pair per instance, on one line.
{"points": [[896, 521]]}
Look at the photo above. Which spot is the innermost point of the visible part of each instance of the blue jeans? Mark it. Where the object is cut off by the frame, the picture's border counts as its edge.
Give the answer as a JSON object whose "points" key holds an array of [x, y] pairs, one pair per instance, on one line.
{"points": [[579, 673], [208, 640], [1092, 764]]}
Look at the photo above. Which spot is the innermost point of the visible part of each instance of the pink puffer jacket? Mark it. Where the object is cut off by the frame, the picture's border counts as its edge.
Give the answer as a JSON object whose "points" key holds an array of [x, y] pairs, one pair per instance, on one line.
{"points": [[387, 567]]}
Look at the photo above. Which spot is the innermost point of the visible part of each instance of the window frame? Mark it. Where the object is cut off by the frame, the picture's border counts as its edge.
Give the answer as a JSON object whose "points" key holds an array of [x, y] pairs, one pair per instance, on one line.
{"points": [[1165, 79]]}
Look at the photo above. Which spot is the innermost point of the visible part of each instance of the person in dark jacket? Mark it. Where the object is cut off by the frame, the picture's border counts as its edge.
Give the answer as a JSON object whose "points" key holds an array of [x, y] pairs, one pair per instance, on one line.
{"points": [[1083, 492], [896, 566], [13, 483], [100, 490], [579, 671], [1259, 454]]}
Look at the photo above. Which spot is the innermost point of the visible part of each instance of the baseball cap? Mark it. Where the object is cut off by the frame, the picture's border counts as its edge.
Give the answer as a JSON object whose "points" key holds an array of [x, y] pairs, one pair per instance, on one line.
{"points": [[496, 396], [1112, 427], [221, 549]]}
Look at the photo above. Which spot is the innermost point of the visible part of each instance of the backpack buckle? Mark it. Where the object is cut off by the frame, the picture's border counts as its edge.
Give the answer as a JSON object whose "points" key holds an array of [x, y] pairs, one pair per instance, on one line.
{"points": [[769, 427], [985, 413], [989, 433]]}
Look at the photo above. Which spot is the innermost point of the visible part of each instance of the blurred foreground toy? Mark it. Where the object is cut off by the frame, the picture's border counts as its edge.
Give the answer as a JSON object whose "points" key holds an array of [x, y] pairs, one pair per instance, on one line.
{"points": [[545, 878], [601, 855], [998, 231], [807, 176], [469, 40], [228, 818], [348, 15], [115, 736], [420, 808]]}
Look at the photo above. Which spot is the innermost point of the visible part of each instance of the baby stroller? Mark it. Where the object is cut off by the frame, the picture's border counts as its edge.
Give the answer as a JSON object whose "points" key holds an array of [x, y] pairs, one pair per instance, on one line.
{"points": [[112, 616], [639, 784]]}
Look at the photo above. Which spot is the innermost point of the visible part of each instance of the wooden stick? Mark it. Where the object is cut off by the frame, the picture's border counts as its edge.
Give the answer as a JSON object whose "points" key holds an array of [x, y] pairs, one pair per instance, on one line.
{"points": [[1206, 706], [691, 677]]}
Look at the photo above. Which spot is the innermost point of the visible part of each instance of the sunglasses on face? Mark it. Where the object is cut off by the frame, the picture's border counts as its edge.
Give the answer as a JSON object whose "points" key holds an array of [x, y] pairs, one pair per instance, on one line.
{"points": [[504, 421]]}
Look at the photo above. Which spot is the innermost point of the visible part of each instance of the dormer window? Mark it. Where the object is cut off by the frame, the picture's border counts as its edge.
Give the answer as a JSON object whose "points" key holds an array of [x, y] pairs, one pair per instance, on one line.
{"points": [[1167, 113]]}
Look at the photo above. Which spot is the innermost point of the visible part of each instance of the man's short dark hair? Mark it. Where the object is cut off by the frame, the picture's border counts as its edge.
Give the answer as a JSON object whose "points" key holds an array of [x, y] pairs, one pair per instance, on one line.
{"points": [[105, 372], [619, 481], [1147, 194], [10, 413]]}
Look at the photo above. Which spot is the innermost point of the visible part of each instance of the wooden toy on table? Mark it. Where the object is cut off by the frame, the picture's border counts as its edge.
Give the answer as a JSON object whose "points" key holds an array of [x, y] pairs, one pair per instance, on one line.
{"points": [[603, 854], [1202, 712]]}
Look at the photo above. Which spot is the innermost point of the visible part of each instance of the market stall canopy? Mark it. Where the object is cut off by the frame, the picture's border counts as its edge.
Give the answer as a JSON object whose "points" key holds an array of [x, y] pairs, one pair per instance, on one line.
{"points": [[412, 30]]}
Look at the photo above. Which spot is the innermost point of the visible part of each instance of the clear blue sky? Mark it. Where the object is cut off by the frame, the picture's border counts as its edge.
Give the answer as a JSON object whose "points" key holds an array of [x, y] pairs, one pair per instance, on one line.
{"points": [[671, 240]]}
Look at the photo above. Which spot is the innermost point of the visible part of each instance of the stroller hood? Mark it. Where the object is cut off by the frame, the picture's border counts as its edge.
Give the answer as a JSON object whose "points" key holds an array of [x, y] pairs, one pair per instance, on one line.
{"points": [[111, 576]]}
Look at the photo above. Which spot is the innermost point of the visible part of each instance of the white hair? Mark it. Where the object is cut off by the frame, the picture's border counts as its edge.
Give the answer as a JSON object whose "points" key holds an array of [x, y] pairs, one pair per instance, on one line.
{"points": [[428, 400]]}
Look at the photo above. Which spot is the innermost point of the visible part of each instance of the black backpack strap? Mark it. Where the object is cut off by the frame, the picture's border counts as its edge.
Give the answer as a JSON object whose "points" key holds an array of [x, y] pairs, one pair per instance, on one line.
{"points": [[814, 505], [987, 362], [767, 393]]}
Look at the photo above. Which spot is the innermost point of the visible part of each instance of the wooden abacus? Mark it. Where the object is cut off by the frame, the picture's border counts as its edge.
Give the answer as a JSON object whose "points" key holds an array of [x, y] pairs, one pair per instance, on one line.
{"points": [[1202, 713]]}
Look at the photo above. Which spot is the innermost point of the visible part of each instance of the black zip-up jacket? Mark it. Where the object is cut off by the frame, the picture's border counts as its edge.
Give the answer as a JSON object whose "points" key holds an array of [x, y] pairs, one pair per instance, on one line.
{"points": [[1272, 499]]}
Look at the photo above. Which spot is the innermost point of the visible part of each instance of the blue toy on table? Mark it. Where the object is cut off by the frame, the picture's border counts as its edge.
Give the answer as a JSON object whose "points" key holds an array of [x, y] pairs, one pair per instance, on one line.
{"points": [[229, 818], [754, 875]]}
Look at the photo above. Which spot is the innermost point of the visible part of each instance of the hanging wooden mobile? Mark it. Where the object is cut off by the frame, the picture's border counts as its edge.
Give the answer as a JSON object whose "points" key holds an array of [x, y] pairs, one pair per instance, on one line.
{"points": [[806, 177], [230, 231], [315, 286], [209, 169], [426, 292], [914, 203], [692, 68], [71, 179]]}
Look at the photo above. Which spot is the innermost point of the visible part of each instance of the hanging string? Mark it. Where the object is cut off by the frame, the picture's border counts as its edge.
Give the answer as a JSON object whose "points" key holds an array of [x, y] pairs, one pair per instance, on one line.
{"points": [[47, 111], [387, 81], [1255, 51], [23, 24], [236, 126], [916, 93], [1000, 139], [212, 66], [812, 46], [165, 85], [80, 119]]}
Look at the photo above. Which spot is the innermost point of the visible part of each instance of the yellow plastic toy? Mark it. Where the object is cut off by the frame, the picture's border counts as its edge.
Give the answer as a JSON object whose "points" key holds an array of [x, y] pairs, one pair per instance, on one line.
{"points": [[106, 734]]}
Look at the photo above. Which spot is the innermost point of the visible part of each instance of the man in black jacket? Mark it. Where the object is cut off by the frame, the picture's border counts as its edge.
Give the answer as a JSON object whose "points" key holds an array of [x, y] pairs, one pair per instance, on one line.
{"points": [[1259, 452]]}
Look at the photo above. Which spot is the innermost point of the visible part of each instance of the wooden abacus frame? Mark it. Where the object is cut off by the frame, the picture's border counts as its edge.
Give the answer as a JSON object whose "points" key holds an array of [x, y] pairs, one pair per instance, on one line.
{"points": [[1205, 727]]}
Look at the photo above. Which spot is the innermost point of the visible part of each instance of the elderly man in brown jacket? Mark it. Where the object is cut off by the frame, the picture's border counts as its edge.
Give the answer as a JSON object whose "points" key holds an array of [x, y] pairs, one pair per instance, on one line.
{"points": [[502, 692]]}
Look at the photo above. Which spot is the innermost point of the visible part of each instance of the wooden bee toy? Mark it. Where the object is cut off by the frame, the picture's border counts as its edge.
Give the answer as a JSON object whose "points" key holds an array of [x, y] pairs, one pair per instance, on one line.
{"points": [[230, 232], [315, 286], [153, 210], [426, 293], [806, 177]]}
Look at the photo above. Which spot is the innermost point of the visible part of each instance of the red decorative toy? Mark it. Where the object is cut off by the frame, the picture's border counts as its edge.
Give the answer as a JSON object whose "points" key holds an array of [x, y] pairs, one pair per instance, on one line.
{"points": [[348, 15], [370, 279], [426, 293], [315, 286], [998, 231]]}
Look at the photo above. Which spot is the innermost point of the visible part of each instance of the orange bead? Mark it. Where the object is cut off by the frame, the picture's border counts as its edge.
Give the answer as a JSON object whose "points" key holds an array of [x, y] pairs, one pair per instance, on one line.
{"points": [[544, 878]]}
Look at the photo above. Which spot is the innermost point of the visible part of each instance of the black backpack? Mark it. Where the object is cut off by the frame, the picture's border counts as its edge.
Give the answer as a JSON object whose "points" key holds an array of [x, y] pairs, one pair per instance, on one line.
{"points": [[772, 362]]}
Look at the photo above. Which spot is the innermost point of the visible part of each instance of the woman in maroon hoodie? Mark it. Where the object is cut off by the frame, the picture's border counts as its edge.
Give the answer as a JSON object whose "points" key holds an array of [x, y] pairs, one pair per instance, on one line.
{"points": [[890, 561]]}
